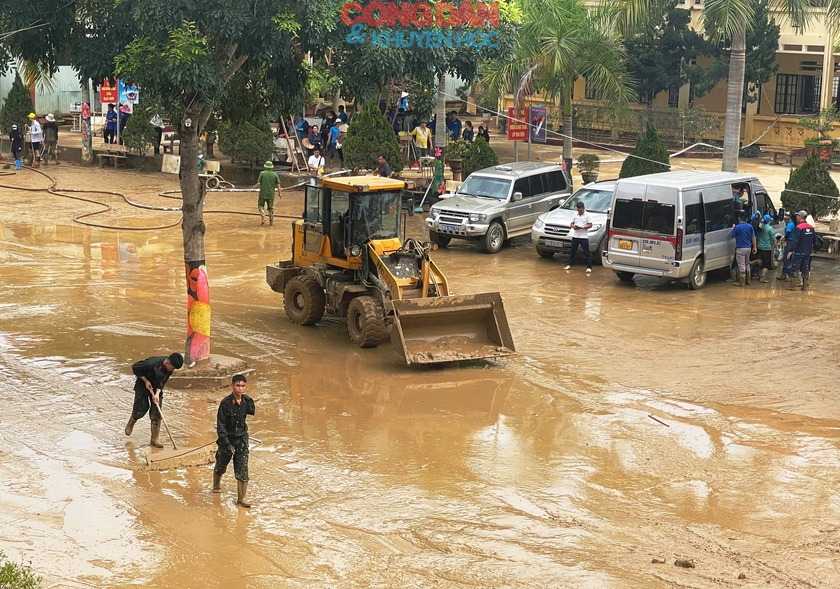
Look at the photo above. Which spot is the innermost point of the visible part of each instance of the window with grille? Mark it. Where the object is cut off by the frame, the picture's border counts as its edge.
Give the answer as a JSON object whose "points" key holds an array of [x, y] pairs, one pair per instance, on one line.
{"points": [[673, 97], [591, 93], [786, 90]]}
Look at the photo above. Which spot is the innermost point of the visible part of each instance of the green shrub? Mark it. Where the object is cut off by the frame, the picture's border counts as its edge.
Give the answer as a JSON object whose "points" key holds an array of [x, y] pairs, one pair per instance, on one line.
{"points": [[650, 150], [479, 155], [245, 143], [370, 135], [16, 108], [814, 178], [17, 576], [139, 135]]}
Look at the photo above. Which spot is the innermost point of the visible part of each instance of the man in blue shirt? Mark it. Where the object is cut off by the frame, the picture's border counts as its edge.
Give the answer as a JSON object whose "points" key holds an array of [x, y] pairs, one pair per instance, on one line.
{"points": [[453, 125], [745, 243], [800, 250]]}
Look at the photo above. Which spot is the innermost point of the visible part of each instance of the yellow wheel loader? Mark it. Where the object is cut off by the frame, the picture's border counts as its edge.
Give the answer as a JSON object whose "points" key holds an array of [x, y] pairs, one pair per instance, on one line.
{"points": [[348, 261]]}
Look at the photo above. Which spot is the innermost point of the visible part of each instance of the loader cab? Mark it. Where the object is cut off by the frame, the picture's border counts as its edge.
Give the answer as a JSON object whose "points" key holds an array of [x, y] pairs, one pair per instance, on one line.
{"points": [[342, 215]]}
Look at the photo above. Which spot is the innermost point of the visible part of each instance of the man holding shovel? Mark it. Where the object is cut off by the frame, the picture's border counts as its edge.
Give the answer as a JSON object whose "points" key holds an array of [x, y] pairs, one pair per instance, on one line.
{"points": [[152, 374], [233, 439]]}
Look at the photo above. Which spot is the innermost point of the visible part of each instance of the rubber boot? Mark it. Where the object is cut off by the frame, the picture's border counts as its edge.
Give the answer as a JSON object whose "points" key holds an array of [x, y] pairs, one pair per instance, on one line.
{"points": [[217, 482], [806, 283], [782, 276], [155, 435], [262, 218], [130, 427], [764, 276], [793, 282], [748, 275], [271, 218], [739, 278], [241, 492], [17, 164]]}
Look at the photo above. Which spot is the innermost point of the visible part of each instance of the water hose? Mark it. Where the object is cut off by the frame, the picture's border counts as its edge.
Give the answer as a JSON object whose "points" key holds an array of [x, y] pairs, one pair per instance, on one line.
{"points": [[81, 219]]}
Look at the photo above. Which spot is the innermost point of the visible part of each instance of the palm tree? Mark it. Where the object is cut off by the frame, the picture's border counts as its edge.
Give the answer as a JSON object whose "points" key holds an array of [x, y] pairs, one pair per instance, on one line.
{"points": [[731, 19], [560, 41]]}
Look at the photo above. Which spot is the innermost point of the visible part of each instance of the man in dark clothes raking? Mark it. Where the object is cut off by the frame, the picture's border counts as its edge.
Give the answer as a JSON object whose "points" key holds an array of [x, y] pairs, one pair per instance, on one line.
{"points": [[152, 374], [233, 439]]}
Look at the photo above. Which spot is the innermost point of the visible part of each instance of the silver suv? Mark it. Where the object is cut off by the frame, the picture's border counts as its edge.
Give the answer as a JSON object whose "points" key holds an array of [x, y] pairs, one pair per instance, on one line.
{"points": [[495, 204], [550, 234]]}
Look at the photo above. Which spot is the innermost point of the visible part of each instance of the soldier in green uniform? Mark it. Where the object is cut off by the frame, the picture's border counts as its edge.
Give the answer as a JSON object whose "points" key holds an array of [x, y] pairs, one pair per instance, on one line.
{"points": [[268, 182], [233, 439], [152, 375]]}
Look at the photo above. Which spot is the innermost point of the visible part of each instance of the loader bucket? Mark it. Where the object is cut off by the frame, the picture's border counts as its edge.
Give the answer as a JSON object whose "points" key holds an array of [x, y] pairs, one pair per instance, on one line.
{"points": [[451, 329]]}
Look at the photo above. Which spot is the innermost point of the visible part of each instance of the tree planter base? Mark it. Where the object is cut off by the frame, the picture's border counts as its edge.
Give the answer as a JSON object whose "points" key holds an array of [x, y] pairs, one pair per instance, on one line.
{"points": [[588, 178], [824, 152]]}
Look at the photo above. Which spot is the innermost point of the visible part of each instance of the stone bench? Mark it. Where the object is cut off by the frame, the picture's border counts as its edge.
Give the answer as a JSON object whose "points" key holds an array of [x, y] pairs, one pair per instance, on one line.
{"points": [[788, 152]]}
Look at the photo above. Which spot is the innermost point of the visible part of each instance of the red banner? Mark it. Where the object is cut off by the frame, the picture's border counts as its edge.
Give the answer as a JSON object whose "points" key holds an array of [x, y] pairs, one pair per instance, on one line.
{"points": [[108, 94], [518, 124]]}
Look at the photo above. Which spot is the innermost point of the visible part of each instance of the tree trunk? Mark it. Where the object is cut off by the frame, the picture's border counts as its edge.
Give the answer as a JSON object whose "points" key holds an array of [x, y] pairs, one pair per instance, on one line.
{"points": [[567, 124], [440, 115], [86, 126], [193, 194], [734, 98]]}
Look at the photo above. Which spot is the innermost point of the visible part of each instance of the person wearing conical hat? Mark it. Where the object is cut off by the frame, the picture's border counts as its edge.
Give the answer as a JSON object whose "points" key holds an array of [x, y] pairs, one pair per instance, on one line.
{"points": [[50, 139], [268, 182]]}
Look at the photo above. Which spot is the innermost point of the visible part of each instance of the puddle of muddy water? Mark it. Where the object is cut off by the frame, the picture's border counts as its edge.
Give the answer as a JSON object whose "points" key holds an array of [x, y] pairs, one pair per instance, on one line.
{"points": [[544, 465]]}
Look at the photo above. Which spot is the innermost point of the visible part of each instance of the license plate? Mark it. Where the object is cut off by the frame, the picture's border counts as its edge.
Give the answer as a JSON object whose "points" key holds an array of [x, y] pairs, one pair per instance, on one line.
{"points": [[553, 243], [625, 245], [449, 227]]}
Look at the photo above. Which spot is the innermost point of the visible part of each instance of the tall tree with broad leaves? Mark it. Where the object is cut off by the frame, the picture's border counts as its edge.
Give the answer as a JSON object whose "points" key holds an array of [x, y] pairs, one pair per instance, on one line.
{"points": [[183, 54], [732, 20], [364, 69], [562, 40]]}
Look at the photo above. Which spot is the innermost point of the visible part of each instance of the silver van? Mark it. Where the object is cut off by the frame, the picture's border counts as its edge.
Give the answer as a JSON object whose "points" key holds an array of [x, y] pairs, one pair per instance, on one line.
{"points": [[495, 204], [677, 224]]}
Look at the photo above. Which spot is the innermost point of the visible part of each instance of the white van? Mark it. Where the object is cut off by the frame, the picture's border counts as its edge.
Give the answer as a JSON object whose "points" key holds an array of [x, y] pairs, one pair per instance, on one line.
{"points": [[677, 224]]}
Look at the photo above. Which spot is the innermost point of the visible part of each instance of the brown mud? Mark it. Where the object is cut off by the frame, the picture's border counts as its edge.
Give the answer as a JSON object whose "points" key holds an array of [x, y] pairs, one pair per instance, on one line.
{"points": [[544, 469]]}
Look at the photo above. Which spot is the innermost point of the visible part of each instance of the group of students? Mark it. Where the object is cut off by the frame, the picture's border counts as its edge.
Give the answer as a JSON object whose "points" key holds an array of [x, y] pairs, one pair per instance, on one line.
{"points": [[152, 374], [40, 137], [756, 240]]}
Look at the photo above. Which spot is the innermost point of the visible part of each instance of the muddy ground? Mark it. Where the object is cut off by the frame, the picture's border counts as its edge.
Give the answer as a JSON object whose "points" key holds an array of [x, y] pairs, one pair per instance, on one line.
{"points": [[543, 470]]}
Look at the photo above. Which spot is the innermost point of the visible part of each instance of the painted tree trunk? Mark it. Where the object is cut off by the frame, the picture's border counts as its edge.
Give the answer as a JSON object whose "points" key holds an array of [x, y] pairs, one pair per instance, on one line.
{"points": [[567, 124], [734, 98], [440, 114], [192, 191], [87, 135]]}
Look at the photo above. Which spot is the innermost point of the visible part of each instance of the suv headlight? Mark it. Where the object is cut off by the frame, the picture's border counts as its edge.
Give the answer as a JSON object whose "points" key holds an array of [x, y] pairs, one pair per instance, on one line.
{"points": [[539, 224], [595, 227], [476, 217], [435, 212]]}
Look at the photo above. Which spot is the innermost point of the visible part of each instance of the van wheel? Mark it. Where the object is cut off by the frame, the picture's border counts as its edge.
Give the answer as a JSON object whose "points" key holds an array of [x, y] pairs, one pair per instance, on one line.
{"points": [[439, 239], [494, 239], [365, 322], [697, 278], [599, 253], [625, 276], [544, 253], [305, 300]]}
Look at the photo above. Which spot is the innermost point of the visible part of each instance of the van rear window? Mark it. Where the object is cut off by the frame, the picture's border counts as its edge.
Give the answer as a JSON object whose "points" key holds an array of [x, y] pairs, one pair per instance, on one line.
{"points": [[637, 215]]}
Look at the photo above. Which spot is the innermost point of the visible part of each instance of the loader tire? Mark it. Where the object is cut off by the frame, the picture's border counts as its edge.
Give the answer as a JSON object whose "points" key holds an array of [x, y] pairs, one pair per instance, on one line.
{"points": [[365, 322], [305, 300]]}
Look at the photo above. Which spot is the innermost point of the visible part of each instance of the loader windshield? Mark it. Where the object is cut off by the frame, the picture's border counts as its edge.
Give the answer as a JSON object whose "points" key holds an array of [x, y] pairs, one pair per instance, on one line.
{"points": [[376, 215]]}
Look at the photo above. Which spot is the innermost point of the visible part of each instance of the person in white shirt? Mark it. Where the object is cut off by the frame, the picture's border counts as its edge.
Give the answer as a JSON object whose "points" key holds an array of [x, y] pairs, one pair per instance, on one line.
{"points": [[36, 136], [579, 230], [316, 166]]}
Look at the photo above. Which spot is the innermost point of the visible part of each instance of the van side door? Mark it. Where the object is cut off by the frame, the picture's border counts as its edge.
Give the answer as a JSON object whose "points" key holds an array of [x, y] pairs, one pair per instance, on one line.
{"points": [[720, 216]]}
